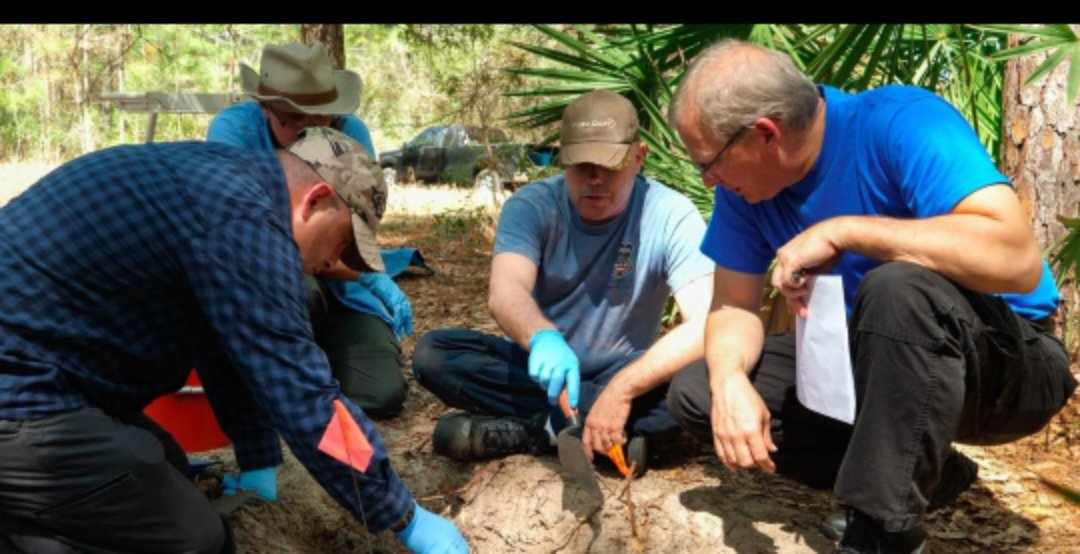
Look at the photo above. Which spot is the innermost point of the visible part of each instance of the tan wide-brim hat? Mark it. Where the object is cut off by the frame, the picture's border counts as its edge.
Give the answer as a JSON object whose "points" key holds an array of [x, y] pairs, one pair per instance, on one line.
{"points": [[301, 78]]}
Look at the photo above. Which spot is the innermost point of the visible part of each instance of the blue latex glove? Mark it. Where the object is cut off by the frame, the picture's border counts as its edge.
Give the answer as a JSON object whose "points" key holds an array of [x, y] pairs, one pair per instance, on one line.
{"points": [[553, 364], [260, 481], [428, 533], [396, 301]]}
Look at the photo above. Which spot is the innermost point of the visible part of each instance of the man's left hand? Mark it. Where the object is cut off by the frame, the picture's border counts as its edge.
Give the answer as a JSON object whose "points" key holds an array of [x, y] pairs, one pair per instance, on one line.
{"points": [[606, 424], [813, 250]]}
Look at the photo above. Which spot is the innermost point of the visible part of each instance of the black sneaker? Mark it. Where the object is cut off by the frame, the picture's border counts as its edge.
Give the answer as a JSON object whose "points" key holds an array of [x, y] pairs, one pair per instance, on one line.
{"points": [[957, 476], [866, 535], [464, 436]]}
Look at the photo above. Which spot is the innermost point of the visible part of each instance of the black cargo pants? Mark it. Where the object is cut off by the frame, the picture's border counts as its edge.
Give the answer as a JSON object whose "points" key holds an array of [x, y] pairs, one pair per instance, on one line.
{"points": [[84, 481], [934, 363]]}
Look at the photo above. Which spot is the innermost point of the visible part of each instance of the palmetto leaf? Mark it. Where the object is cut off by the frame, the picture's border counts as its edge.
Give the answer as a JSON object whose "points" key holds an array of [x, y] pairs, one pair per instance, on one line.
{"points": [[1058, 37], [1066, 255]]}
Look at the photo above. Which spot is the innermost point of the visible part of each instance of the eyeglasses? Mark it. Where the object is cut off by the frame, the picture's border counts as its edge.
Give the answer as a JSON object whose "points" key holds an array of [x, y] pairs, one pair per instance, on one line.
{"points": [[706, 167]]}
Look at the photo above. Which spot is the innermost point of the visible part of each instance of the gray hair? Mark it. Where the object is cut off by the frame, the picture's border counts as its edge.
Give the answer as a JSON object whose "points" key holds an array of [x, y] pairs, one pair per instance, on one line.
{"points": [[755, 82]]}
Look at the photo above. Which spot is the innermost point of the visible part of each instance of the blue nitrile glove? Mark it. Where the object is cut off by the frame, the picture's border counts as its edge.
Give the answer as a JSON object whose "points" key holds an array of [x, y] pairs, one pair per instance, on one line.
{"points": [[260, 481], [553, 364], [428, 533], [396, 301]]}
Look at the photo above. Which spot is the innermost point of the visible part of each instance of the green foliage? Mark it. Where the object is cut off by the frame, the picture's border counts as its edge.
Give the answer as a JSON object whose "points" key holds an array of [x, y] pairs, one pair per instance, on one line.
{"points": [[417, 76], [1058, 37], [53, 75], [414, 76], [1066, 255]]}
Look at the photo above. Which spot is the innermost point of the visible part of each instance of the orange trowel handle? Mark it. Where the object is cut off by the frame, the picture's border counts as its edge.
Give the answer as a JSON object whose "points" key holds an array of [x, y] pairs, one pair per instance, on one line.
{"points": [[615, 453]]}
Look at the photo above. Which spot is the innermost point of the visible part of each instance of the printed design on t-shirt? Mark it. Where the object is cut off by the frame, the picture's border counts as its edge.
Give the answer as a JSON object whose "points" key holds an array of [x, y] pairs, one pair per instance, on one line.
{"points": [[624, 261]]}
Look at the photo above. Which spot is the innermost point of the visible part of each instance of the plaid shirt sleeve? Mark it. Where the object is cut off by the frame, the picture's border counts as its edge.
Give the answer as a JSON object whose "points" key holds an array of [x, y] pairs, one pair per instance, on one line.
{"points": [[247, 277], [243, 420]]}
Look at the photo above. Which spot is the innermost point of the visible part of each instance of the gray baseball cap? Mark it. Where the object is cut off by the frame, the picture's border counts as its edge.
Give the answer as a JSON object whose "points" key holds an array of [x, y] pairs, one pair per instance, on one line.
{"points": [[345, 165], [598, 127]]}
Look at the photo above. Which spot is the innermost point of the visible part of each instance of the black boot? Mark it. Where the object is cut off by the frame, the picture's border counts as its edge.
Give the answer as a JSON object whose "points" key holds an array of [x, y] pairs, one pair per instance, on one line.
{"points": [[957, 475], [865, 535], [464, 436]]}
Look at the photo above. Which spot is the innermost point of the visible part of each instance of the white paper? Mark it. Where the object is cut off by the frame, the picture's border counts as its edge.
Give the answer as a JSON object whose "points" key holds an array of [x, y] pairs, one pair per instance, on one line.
{"points": [[824, 382]]}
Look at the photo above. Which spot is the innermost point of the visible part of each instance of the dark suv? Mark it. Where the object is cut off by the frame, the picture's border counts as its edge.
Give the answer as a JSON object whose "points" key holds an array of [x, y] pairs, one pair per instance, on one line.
{"points": [[458, 154]]}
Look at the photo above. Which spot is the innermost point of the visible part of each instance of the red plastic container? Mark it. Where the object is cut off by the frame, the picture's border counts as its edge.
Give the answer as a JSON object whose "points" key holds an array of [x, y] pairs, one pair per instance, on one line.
{"points": [[187, 416]]}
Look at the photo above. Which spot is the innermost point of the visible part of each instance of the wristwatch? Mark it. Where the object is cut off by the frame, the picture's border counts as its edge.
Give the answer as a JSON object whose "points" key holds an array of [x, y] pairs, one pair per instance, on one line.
{"points": [[406, 518]]}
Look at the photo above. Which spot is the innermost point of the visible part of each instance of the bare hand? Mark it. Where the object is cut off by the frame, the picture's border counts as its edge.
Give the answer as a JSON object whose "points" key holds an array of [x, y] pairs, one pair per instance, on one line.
{"points": [[740, 425], [811, 249], [606, 424]]}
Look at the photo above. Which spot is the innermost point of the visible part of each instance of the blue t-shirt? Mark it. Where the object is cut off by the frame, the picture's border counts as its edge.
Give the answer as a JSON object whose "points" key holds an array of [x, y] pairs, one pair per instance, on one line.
{"points": [[896, 151], [605, 286], [245, 125]]}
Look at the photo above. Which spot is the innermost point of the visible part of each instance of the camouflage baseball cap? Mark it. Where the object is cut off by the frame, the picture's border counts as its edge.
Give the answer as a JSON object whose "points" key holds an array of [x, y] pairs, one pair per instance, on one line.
{"points": [[598, 128], [345, 165]]}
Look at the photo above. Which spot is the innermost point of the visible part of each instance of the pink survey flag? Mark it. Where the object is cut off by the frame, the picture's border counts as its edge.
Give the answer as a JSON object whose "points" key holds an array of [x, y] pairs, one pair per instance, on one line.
{"points": [[345, 441]]}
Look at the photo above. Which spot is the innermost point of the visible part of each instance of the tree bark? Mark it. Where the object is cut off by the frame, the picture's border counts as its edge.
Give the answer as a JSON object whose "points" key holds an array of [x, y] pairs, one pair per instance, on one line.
{"points": [[1041, 154], [330, 34]]}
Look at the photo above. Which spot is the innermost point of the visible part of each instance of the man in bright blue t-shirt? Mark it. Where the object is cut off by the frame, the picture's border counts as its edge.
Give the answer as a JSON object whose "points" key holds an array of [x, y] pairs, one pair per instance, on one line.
{"points": [[945, 288], [358, 318]]}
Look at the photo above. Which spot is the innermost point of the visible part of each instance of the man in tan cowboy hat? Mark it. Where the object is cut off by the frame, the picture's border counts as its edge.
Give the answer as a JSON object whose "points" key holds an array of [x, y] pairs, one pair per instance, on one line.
{"points": [[296, 87], [180, 255], [583, 266], [358, 317]]}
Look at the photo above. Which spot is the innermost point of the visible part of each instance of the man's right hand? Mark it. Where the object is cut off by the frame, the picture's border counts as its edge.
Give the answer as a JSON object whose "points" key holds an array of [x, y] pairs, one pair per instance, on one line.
{"points": [[553, 364], [428, 533], [740, 424]]}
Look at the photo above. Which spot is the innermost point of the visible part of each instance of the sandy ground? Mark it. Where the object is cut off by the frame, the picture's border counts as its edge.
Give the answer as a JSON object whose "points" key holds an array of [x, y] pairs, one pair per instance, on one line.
{"points": [[686, 503]]}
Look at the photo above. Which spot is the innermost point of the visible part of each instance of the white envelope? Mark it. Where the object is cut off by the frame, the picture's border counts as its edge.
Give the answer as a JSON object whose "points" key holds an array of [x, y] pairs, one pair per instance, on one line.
{"points": [[824, 381]]}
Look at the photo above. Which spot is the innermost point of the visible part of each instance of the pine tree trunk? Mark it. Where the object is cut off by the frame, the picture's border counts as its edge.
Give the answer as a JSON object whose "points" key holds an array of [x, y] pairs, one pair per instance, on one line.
{"points": [[1041, 154], [330, 34]]}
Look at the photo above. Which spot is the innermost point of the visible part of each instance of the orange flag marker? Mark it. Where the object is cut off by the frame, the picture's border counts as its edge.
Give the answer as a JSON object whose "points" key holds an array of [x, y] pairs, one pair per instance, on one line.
{"points": [[345, 441]]}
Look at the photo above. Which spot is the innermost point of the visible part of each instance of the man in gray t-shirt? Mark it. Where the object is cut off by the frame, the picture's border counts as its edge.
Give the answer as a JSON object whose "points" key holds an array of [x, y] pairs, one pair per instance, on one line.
{"points": [[583, 265]]}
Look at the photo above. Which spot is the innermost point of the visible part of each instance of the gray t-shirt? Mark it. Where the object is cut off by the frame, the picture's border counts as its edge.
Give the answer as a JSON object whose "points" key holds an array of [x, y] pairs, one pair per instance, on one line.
{"points": [[605, 286]]}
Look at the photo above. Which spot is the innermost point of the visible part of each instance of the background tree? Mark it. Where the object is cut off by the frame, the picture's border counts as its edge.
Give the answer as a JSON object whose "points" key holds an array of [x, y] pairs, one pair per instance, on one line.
{"points": [[332, 35], [1041, 154]]}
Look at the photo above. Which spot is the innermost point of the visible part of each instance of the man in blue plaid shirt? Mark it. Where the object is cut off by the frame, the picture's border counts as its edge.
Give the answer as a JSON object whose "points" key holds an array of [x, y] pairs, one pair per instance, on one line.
{"points": [[124, 268]]}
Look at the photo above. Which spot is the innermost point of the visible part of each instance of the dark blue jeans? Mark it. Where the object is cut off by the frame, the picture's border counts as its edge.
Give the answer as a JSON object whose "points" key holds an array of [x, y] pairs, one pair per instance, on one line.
{"points": [[483, 373], [934, 363]]}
